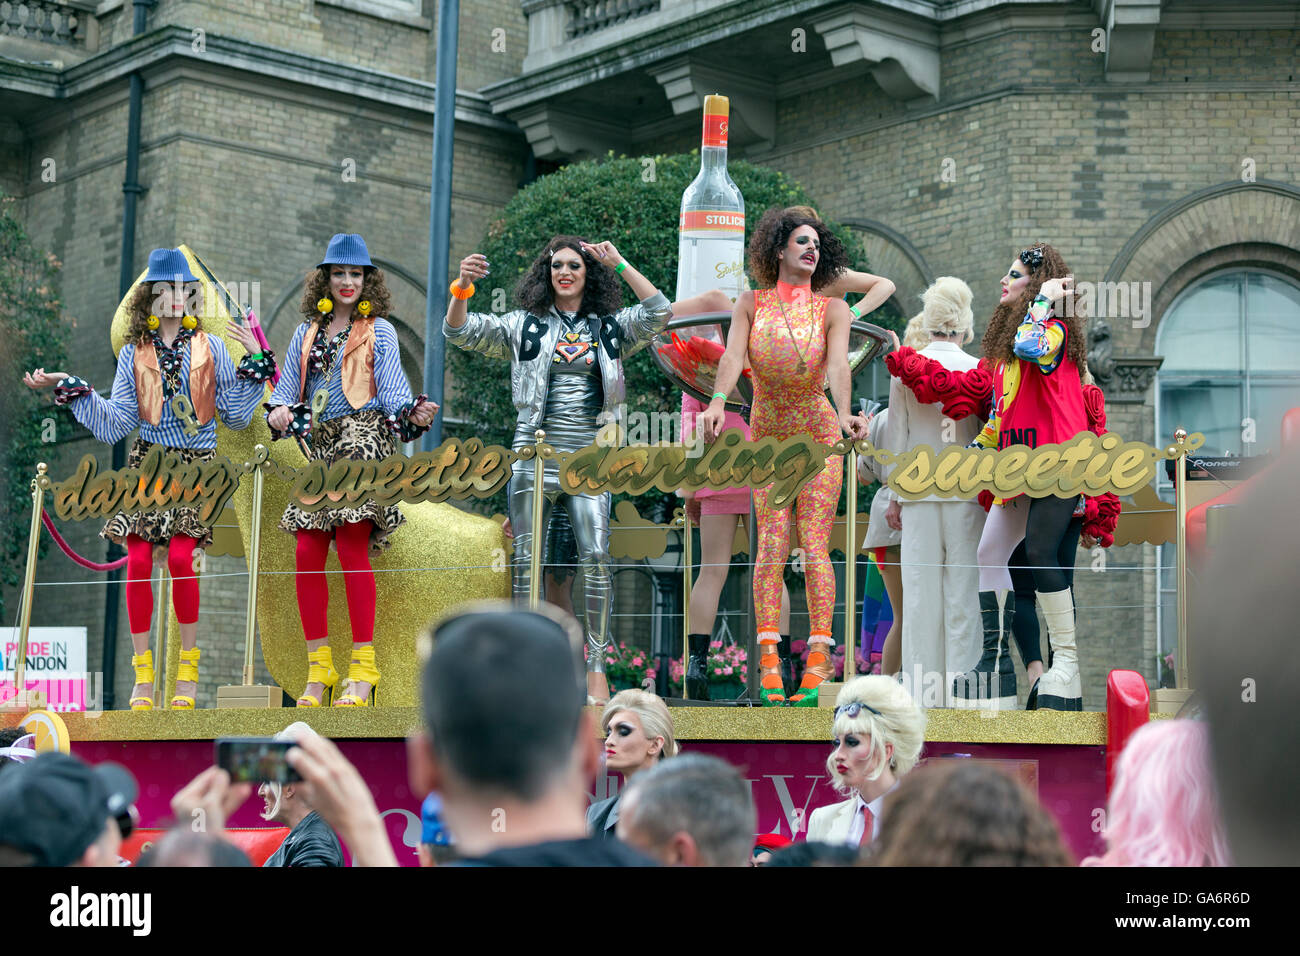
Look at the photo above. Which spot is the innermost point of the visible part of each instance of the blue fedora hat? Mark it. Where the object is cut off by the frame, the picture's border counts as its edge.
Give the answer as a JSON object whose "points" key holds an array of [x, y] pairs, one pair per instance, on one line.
{"points": [[168, 265], [346, 249]]}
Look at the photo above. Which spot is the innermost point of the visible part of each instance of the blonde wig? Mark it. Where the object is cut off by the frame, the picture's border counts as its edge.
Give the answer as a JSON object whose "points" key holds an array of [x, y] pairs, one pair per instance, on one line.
{"points": [[886, 714], [651, 711], [947, 309], [915, 337], [295, 732]]}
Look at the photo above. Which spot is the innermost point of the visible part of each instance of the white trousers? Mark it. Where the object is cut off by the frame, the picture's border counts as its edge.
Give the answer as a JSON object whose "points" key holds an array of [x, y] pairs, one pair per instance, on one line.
{"points": [[942, 635]]}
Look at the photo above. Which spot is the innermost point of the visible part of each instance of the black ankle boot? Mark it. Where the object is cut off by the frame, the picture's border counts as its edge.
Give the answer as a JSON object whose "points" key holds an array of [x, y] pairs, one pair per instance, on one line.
{"points": [[992, 682], [787, 675], [697, 668]]}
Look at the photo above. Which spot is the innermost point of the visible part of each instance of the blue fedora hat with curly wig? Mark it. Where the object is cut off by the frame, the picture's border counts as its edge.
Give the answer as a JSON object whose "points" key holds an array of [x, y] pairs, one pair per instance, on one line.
{"points": [[346, 249], [168, 265]]}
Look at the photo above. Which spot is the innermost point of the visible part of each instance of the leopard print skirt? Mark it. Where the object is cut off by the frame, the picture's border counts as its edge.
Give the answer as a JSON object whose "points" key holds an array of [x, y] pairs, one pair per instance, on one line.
{"points": [[361, 436], [159, 527]]}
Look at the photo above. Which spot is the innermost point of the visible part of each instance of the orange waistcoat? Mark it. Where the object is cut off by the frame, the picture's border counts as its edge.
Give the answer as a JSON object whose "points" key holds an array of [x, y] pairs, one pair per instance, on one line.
{"points": [[358, 362], [203, 381]]}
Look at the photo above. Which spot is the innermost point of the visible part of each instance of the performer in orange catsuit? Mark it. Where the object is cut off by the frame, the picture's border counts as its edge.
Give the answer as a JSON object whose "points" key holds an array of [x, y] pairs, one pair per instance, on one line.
{"points": [[796, 340]]}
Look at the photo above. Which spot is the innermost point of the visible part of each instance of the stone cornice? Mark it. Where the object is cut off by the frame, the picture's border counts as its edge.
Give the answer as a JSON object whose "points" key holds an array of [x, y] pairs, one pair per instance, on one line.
{"points": [[174, 43], [1132, 378]]}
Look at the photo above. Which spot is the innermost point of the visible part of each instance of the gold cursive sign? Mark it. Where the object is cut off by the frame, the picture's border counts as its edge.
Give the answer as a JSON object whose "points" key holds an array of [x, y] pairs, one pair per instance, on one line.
{"points": [[452, 470], [787, 465], [1085, 465], [161, 482]]}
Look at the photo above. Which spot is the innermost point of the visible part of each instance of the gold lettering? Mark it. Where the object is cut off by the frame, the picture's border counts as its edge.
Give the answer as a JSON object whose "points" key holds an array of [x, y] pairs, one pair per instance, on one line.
{"points": [[1038, 473], [1132, 469]]}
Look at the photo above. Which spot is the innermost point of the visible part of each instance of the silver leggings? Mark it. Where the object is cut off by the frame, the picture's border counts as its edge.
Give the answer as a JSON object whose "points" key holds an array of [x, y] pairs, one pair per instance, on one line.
{"points": [[589, 516]]}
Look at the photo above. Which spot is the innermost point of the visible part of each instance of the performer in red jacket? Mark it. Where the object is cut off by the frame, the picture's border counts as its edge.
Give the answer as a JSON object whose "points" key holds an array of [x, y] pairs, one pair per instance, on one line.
{"points": [[1036, 357]]}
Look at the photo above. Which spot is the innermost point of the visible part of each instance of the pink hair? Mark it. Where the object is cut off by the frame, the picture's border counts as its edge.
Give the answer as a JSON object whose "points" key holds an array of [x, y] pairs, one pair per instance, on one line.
{"points": [[1164, 810]]}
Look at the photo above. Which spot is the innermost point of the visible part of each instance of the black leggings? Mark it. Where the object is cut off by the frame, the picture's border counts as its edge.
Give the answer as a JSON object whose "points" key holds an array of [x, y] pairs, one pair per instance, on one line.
{"points": [[1025, 624]]}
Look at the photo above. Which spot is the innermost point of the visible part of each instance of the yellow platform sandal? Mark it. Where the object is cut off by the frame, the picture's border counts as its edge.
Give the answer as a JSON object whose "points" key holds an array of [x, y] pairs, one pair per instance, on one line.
{"points": [[187, 671], [143, 664], [362, 669], [320, 670]]}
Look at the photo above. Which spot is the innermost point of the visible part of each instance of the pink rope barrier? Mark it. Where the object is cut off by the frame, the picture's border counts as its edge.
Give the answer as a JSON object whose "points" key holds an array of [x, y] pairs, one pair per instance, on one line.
{"points": [[67, 549]]}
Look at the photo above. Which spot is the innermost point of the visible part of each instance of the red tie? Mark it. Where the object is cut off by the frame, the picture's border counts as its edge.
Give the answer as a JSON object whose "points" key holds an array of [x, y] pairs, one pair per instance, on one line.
{"points": [[867, 825]]}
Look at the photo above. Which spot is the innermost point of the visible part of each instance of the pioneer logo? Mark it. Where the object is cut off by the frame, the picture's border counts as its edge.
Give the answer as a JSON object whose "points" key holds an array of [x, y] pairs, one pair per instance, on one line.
{"points": [[77, 909]]}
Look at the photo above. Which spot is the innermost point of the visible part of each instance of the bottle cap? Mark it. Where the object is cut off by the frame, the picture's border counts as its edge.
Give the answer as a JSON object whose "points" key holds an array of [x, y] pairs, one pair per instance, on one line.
{"points": [[716, 110]]}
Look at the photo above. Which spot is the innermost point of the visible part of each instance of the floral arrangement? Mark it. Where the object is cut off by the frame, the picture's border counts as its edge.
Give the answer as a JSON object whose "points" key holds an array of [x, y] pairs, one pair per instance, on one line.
{"points": [[627, 667]]}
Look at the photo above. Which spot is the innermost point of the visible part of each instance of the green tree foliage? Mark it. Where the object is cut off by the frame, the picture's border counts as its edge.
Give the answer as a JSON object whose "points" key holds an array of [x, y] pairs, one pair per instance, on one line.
{"points": [[33, 332], [634, 203]]}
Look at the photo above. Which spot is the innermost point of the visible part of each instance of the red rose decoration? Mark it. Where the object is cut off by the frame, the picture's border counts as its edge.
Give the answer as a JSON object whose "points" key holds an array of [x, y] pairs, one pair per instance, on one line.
{"points": [[1094, 404], [912, 368], [924, 391], [976, 384], [1100, 515], [960, 407], [894, 360], [985, 499], [943, 382]]}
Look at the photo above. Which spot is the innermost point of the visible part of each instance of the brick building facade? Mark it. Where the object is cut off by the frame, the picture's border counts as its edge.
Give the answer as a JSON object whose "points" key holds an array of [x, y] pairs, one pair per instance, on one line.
{"points": [[1153, 143]]}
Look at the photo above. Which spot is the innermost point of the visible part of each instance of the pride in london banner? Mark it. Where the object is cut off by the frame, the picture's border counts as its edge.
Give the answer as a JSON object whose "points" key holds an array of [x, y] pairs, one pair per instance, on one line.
{"points": [[56, 665]]}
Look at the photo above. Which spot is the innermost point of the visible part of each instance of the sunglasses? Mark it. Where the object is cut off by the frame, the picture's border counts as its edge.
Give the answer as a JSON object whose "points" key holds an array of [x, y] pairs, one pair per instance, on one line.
{"points": [[855, 708]]}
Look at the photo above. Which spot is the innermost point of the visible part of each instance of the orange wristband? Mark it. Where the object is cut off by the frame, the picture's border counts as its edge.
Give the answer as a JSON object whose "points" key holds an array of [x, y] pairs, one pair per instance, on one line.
{"points": [[460, 293]]}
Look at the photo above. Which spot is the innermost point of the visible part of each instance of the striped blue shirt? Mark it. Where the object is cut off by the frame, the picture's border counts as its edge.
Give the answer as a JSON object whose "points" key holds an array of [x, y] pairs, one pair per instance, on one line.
{"points": [[392, 391], [112, 419]]}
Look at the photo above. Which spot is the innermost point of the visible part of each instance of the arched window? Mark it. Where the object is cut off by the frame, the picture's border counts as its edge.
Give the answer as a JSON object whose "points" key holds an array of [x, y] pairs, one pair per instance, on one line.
{"points": [[1231, 345]]}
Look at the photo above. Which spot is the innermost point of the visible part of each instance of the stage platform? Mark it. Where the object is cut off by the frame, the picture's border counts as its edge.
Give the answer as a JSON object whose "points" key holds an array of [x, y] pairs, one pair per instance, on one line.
{"points": [[692, 723]]}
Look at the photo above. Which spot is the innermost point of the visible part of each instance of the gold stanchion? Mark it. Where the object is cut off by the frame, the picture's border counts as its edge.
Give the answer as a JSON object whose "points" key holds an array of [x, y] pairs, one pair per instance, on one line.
{"points": [[851, 566], [1171, 699], [249, 694], [23, 699], [687, 554], [535, 559], [1183, 678], [161, 661]]}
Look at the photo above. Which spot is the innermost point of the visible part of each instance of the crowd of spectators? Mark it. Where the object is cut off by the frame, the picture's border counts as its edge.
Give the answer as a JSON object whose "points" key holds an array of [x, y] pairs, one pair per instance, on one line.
{"points": [[508, 768]]}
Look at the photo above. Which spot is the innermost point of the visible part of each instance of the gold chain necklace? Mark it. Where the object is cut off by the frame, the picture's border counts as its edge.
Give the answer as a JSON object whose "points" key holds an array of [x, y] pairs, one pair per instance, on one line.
{"points": [[803, 366]]}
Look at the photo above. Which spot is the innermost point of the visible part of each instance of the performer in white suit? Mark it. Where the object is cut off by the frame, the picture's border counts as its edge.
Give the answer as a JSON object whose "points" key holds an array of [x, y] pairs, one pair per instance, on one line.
{"points": [[879, 732], [941, 615]]}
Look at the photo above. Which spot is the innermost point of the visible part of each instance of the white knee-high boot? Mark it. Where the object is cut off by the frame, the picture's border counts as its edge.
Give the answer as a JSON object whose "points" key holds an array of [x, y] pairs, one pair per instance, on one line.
{"points": [[1060, 688]]}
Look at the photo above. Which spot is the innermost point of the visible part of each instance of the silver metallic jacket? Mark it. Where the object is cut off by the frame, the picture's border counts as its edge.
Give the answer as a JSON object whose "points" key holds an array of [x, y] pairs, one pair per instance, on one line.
{"points": [[528, 342]]}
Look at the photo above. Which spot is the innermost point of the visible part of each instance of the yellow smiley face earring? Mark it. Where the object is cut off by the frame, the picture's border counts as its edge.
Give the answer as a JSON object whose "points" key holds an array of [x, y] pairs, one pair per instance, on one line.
{"points": [[325, 306], [190, 322], [364, 307], [152, 322]]}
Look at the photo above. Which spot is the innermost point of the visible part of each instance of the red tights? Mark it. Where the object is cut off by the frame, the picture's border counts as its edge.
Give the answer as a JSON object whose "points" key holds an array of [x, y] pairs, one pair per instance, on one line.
{"points": [[353, 543], [139, 588]]}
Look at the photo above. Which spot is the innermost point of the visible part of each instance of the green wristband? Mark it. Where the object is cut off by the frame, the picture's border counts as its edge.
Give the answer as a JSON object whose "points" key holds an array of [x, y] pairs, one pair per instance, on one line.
{"points": [[721, 395], [856, 312], [620, 267]]}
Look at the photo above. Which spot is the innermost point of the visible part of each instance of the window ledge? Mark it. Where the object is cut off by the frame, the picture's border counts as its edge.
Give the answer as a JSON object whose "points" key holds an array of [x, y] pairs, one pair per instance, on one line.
{"points": [[381, 11]]}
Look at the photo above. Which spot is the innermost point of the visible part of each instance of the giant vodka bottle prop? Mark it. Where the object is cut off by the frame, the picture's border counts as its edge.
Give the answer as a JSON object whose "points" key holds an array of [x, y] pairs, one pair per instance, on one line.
{"points": [[711, 243]]}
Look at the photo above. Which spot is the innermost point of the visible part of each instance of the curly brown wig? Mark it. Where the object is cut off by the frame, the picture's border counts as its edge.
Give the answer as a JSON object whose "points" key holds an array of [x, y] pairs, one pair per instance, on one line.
{"points": [[141, 307], [963, 813], [773, 232], [316, 286], [1000, 336], [601, 292]]}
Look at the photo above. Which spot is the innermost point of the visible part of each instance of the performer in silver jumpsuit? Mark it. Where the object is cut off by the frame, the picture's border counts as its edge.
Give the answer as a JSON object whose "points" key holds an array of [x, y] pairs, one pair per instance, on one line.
{"points": [[566, 344]]}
